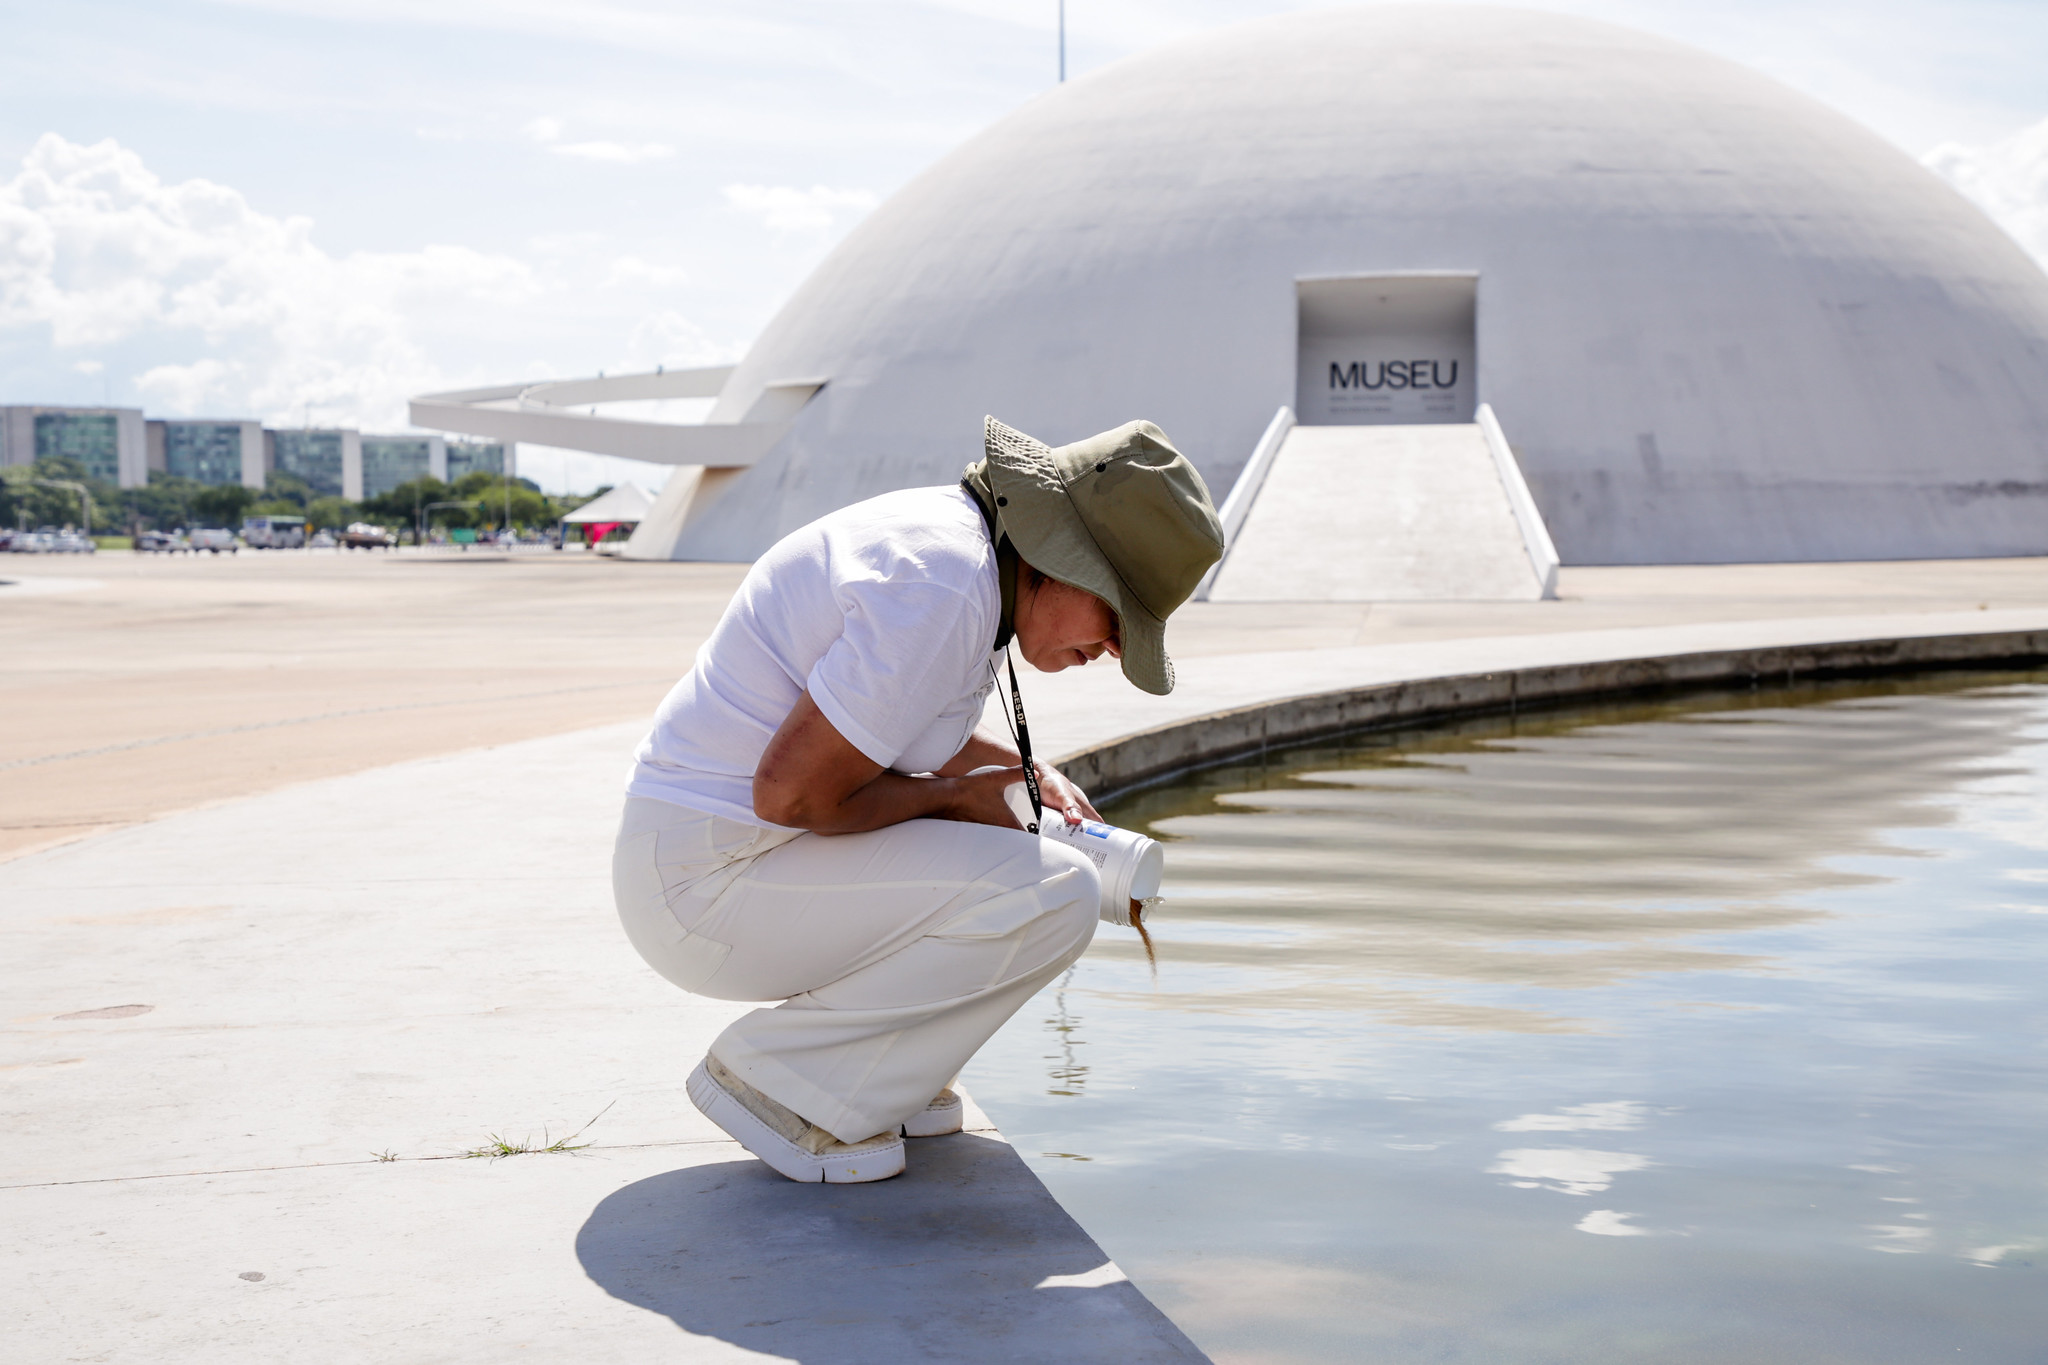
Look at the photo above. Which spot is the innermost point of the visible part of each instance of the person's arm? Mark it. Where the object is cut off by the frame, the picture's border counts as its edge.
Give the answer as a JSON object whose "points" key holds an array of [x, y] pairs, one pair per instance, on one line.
{"points": [[812, 777], [1058, 793], [980, 751]]}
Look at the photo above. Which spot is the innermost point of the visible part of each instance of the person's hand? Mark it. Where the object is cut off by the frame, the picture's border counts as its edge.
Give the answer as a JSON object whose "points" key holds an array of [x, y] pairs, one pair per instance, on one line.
{"points": [[982, 799], [1063, 796]]}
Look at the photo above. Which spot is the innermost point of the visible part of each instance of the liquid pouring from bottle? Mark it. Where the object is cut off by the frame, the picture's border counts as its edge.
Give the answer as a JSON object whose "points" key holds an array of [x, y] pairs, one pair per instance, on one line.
{"points": [[1131, 865]]}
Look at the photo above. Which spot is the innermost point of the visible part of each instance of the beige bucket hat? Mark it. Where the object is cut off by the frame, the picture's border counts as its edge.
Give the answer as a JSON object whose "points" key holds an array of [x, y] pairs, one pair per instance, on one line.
{"points": [[1122, 515]]}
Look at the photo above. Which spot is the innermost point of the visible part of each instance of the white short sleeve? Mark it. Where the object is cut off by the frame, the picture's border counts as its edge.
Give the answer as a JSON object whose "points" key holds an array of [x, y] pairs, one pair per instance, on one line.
{"points": [[898, 664], [885, 611]]}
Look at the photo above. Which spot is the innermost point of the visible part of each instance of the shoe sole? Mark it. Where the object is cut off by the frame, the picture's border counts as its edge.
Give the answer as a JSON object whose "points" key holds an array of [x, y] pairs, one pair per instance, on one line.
{"points": [[784, 1157], [935, 1120]]}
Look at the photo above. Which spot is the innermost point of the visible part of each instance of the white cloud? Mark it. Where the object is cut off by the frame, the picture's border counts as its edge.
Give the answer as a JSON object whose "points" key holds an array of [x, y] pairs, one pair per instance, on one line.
{"points": [[239, 311], [190, 388], [784, 208], [2008, 179], [666, 337], [1611, 1114], [1567, 1170], [630, 272], [547, 132], [624, 153]]}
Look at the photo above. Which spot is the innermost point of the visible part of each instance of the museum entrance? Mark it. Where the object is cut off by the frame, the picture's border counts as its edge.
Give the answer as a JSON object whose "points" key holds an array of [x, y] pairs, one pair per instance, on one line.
{"points": [[1384, 350]]}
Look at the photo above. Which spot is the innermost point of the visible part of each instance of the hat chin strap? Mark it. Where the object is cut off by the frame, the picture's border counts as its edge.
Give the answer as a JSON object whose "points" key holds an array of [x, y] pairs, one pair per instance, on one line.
{"points": [[1007, 560]]}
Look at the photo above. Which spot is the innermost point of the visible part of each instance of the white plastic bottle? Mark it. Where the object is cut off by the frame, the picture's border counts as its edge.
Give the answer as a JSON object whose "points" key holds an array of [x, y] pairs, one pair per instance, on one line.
{"points": [[1130, 864]]}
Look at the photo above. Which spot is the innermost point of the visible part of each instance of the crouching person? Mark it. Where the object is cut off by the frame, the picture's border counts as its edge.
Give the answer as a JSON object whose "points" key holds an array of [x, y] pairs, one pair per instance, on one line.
{"points": [[806, 823]]}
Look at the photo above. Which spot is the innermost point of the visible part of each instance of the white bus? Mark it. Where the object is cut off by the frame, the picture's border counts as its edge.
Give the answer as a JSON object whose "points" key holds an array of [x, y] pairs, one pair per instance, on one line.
{"points": [[274, 533]]}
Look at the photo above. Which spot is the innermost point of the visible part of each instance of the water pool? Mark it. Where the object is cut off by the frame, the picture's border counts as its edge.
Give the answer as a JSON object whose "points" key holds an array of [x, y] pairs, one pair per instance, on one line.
{"points": [[1711, 1030]]}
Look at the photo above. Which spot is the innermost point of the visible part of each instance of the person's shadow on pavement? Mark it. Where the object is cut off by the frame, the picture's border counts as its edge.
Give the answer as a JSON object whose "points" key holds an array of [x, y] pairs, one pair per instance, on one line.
{"points": [[945, 1262]]}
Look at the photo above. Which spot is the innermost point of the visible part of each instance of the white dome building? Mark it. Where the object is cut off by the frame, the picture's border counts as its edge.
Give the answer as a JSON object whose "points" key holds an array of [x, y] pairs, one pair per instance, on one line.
{"points": [[1717, 320]]}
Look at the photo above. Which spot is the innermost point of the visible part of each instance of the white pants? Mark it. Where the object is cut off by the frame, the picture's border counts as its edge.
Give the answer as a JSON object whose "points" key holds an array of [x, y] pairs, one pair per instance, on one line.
{"points": [[896, 953]]}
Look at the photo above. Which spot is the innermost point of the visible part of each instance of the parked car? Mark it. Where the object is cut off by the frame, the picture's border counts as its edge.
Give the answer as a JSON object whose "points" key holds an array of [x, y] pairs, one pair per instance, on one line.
{"points": [[215, 540], [72, 543], [274, 533], [361, 535], [32, 542], [162, 543], [323, 539]]}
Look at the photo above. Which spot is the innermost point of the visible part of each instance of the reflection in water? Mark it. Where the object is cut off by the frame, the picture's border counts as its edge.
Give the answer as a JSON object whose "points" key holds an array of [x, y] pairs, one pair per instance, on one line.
{"points": [[1067, 1073], [1568, 1170], [1613, 1114], [1761, 976]]}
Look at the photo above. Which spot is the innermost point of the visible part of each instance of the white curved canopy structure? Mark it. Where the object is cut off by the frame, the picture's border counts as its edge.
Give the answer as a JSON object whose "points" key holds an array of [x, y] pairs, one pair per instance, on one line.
{"points": [[1719, 321], [542, 413]]}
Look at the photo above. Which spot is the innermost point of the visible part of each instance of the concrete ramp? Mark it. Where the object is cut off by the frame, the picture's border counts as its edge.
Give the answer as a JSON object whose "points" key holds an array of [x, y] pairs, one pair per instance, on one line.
{"points": [[1383, 514]]}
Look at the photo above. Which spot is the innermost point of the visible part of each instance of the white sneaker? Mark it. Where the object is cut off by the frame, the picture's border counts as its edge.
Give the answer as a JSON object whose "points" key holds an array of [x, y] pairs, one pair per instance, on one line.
{"points": [[940, 1117], [790, 1143]]}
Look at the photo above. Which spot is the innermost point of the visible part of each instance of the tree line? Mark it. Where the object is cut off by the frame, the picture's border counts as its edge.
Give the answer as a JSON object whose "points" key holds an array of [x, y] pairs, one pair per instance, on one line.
{"points": [[169, 502]]}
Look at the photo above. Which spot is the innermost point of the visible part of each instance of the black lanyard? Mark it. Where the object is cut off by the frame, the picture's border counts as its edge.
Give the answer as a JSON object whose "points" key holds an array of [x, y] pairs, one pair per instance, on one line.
{"points": [[1006, 577], [1023, 736]]}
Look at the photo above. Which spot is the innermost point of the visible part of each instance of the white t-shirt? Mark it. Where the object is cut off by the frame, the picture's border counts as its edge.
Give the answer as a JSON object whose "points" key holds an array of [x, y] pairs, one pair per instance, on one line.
{"points": [[885, 611]]}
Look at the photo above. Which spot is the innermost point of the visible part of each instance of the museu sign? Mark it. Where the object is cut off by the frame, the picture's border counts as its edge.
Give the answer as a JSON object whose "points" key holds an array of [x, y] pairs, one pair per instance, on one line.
{"points": [[1390, 349], [1394, 374]]}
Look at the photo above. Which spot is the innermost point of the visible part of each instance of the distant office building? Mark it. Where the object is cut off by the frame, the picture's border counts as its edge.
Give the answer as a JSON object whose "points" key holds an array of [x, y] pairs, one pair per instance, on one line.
{"points": [[470, 457], [329, 459], [120, 446], [212, 451], [110, 442], [389, 461]]}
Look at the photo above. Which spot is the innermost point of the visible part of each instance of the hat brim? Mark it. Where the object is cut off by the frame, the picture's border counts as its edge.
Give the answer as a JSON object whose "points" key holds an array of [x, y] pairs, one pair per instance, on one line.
{"points": [[1052, 539]]}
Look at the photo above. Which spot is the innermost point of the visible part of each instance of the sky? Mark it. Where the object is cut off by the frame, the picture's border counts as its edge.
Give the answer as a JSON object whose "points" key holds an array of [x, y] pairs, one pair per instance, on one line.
{"points": [[307, 210]]}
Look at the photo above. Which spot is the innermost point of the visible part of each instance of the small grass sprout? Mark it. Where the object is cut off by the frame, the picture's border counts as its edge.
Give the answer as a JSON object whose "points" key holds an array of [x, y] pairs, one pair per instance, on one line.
{"points": [[501, 1147]]}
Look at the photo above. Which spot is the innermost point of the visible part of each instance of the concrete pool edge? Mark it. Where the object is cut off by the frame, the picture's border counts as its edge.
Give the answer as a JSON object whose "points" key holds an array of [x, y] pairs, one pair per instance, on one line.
{"points": [[1139, 758]]}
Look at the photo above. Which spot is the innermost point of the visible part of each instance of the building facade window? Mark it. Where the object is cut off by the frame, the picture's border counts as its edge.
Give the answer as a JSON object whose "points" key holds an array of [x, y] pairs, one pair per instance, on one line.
{"points": [[314, 456], [389, 461], [91, 438], [210, 452], [470, 457]]}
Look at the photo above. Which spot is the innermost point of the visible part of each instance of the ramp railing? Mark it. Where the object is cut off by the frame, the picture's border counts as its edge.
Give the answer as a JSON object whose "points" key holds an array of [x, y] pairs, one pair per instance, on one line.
{"points": [[1246, 491], [1535, 535]]}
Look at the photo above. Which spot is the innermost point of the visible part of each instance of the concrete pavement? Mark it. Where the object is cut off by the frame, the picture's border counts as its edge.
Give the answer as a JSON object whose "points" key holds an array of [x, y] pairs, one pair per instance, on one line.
{"points": [[157, 682], [409, 964]]}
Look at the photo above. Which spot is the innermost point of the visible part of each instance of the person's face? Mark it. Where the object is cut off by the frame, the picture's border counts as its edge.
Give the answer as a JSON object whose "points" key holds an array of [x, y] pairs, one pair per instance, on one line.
{"points": [[1060, 626]]}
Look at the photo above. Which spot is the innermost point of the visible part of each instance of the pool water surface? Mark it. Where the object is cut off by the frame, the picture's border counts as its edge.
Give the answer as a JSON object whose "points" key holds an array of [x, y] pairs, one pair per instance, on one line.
{"points": [[1709, 1030]]}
